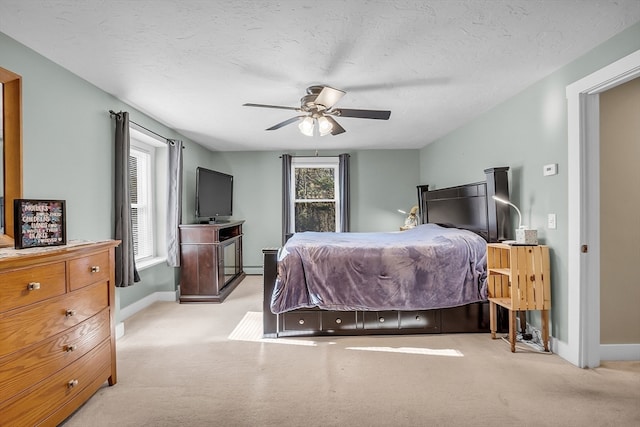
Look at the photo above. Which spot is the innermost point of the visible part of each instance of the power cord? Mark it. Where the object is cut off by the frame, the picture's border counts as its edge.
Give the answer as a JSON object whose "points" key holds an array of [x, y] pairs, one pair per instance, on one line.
{"points": [[531, 344]]}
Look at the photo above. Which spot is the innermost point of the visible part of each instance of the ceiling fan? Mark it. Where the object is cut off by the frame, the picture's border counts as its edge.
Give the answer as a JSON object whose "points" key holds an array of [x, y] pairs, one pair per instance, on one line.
{"points": [[317, 107]]}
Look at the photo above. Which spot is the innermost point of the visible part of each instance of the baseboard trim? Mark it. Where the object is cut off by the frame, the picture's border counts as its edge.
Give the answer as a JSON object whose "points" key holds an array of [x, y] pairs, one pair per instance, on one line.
{"points": [[141, 304], [119, 330], [253, 270], [619, 352]]}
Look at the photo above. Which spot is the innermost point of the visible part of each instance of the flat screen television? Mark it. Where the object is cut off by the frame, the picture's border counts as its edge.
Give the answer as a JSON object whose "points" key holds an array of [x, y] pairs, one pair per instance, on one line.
{"points": [[214, 195]]}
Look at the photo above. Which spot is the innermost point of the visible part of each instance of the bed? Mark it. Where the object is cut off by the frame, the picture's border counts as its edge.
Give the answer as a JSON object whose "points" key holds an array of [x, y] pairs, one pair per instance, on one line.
{"points": [[430, 279]]}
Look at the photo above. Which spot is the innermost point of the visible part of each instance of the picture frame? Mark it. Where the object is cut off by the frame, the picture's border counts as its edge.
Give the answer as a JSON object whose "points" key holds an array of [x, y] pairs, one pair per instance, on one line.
{"points": [[39, 223]]}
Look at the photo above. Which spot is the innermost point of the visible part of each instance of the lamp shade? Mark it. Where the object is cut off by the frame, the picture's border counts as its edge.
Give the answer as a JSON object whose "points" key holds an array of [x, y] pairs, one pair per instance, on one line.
{"points": [[306, 126], [324, 126]]}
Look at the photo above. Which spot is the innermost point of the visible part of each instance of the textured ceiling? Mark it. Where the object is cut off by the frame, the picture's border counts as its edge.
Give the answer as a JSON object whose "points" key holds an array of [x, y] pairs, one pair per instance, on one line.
{"points": [[192, 64]]}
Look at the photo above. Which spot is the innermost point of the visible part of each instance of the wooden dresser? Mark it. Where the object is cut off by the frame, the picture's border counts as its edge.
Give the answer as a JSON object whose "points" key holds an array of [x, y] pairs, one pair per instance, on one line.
{"points": [[57, 340]]}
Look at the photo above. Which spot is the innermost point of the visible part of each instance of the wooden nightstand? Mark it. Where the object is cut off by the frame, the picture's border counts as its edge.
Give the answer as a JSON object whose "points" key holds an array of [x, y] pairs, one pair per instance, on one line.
{"points": [[519, 280]]}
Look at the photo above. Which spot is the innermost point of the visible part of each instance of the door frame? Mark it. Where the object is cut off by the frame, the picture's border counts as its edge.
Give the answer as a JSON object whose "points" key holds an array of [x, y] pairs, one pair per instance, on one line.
{"points": [[583, 169]]}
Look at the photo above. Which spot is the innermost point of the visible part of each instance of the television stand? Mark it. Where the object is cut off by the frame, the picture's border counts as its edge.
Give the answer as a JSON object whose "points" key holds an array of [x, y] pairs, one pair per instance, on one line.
{"points": [[216, 221], [211, 261]]}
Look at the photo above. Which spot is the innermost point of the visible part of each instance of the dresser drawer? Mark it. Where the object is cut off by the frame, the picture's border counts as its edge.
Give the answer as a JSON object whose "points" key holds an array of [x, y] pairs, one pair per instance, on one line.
{"points": [[36, 403], [89, 269], [30, 285], [20, 371], [42, 320]]}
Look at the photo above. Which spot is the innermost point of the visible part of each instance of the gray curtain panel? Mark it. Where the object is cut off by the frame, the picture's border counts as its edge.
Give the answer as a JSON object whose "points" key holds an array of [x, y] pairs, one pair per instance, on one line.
{"points": [[126, 273], [286, 190], [345, 193], [174, 203]]}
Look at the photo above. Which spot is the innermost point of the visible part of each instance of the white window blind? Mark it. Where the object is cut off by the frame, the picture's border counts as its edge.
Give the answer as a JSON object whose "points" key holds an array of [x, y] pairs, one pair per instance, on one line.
{"points": [[140, 168]]}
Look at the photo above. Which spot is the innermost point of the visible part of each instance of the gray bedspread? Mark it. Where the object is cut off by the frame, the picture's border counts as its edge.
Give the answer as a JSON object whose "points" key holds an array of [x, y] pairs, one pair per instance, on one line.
{"points": [[422, 268]]}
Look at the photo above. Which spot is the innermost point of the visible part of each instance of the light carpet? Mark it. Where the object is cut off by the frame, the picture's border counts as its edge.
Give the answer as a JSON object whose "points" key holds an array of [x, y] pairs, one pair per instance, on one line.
{"points": [[204, 365]]}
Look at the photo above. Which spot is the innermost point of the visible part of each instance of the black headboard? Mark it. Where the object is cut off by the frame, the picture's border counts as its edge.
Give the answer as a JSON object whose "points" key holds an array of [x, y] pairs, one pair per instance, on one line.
{"points": [[470, 206]]}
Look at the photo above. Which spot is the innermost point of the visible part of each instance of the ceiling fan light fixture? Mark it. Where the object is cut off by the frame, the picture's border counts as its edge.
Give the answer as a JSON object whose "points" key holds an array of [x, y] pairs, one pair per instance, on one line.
{"points": [[317, 106], [306, 126], [324, 126]]}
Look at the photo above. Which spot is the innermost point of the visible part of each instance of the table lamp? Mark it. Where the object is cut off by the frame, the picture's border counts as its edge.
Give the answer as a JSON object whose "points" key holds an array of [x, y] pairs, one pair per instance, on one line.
{"points": [[524, 235]]}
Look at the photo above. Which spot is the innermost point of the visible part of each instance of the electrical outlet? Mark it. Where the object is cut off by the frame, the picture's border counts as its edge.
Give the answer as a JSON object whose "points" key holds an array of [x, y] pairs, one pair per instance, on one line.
{"points": [[551, 221], [549, 170]]}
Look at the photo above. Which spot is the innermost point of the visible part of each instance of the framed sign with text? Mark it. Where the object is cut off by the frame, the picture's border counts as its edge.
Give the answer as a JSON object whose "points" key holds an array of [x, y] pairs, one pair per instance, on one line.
{"points": [[39, 223]]}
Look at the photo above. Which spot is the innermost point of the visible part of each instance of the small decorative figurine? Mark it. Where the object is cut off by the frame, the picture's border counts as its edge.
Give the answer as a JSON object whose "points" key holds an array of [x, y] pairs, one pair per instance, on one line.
{"points": [[412, 219]]}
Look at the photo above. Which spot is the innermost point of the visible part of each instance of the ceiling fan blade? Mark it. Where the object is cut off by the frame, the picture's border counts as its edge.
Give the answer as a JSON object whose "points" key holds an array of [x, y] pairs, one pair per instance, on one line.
{"points": [[286, 122], [362, 114], [272, 106], [336, 129], [328, 96]]}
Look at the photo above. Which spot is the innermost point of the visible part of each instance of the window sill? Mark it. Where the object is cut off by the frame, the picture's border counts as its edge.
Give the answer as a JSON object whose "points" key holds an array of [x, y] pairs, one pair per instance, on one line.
{"points": [[149, 262]]}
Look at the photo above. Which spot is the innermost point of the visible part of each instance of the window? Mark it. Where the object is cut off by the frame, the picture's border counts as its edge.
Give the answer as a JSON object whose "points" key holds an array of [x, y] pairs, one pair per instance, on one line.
{"points": [[146, 155], [315, 202]]}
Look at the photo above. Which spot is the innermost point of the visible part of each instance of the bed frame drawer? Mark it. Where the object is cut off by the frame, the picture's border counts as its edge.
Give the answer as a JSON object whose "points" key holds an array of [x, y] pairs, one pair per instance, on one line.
{"points": [[301, 321], [380, 319], [473, 317], [424, 320], [339, 321]]}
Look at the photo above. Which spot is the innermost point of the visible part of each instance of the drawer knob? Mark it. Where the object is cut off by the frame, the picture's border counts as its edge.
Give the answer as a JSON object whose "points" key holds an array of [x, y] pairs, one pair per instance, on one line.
{"points": [[72, 384], [417, 317], [95, 269], [70, 313], [381, 319], [33, 286], [301, 321], [69, 348], [338, 320]]}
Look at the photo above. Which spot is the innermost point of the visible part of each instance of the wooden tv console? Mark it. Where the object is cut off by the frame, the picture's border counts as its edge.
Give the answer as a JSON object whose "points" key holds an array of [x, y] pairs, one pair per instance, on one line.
{"points": [[211, 261]]}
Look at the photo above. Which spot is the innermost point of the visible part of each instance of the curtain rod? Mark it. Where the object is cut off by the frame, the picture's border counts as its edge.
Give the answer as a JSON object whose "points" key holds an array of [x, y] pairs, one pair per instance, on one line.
{"points": [[167, 140], [315, 155]]}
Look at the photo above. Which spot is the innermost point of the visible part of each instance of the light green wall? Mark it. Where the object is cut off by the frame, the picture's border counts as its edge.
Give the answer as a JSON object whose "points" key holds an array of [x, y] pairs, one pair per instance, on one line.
{"points": [[382, 181], [525, 133], [68, 152]]}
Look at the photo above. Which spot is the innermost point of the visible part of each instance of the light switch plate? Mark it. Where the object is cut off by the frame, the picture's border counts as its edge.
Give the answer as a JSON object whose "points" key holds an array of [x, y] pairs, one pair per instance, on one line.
{"points": [[551, 169], [551, 221]]}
